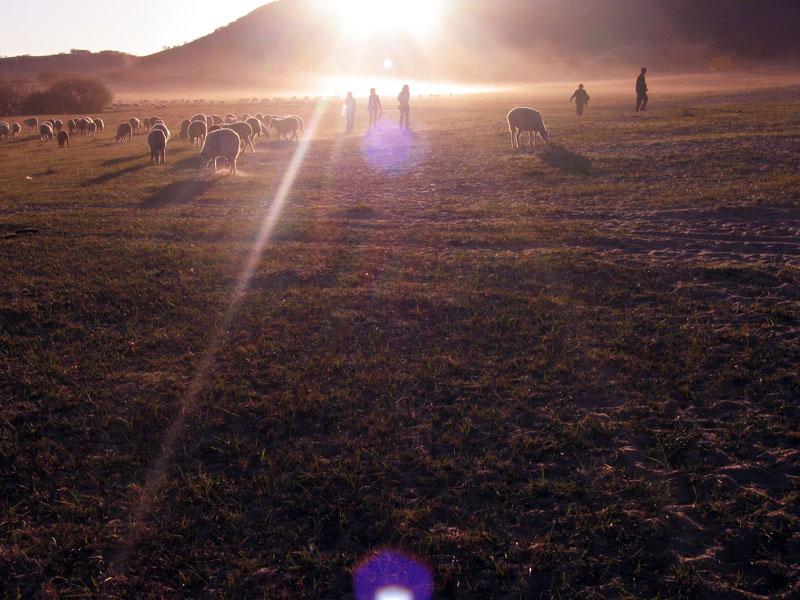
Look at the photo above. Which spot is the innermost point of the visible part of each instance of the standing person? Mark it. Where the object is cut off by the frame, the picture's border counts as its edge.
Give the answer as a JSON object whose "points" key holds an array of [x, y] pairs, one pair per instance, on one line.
{"points": [[581, 99], [404, 98], [641, 91], [350, 110], [374, 108]]}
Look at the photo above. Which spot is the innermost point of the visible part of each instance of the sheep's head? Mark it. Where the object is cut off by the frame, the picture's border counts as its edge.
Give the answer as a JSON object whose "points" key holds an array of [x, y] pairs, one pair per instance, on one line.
{"points": [[545, 136]]}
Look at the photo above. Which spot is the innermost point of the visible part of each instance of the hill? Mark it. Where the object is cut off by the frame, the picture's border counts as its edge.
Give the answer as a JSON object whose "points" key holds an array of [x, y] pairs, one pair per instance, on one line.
{"points": [[291, 42]]}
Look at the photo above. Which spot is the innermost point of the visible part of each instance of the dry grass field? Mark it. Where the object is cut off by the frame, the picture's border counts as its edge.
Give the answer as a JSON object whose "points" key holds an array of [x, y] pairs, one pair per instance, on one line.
{"points": [[569, 372]]}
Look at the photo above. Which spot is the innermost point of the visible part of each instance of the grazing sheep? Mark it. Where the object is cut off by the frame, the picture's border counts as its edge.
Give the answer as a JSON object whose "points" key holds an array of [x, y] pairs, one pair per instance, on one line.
{"points": [[71, 126], [256, 126], [124, 130], [62, 138], [16, 128], [246, 116], [157, 140], [222, 143], [160, 125], [259, 116], [284, 126], [135, 124], [99, 125], [4, 131], [209, 120], [32, 123], [299, 120], [245, 133], [146, 123], [91, 128], [58, 125], [154, 120], [46, 132], [197, 132], [526, 119], [199, 117], [185, 129], [214, 127], [230, 118], [218, 120], [82, 124]]}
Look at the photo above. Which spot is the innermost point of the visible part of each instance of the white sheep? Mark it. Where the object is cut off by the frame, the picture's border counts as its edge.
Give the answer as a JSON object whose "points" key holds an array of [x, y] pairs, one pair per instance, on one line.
{"points": [[245, 133], [198, 117], [124, 130], [526, 119], [184, 133], [160, 125], [99, 125], [256, 126], [284, 126], [197, 132], [46, 132], [4, 131], [222, 143], [16, 128], [157, 140], [62, 138], [135, 124], [71, 126], [32, 123]]}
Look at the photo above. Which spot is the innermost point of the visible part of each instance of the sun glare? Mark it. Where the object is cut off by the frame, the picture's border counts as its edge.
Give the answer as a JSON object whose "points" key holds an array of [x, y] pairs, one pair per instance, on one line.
{"points": [[366, 17]]}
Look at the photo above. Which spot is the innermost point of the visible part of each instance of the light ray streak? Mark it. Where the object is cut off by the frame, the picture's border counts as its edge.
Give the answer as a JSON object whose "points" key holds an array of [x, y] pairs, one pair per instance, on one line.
{"points": [[148, 493]]}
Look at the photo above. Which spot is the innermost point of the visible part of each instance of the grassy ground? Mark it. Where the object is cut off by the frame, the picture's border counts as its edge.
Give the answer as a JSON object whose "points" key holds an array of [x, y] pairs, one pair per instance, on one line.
{"points": [[562, 373]]}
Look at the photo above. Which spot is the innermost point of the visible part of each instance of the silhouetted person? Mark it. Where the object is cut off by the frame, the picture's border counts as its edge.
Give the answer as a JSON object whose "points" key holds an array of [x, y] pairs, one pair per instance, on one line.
{"points": [[374, 108], [581, 99], [403, 98], [641, 91], [350, 110]]}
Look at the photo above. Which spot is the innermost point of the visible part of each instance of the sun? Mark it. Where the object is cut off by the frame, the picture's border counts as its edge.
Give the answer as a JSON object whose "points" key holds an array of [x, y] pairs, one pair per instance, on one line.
{"points": [[368, 17]]}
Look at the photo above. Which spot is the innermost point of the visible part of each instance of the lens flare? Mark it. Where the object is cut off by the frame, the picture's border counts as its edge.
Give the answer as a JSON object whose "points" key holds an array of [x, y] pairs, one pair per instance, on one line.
{"points": [[392, 575]]}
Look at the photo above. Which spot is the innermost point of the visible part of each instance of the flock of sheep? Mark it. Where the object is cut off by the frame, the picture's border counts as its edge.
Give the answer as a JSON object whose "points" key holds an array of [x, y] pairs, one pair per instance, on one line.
{"points": [[216, 136], [226, 137]]}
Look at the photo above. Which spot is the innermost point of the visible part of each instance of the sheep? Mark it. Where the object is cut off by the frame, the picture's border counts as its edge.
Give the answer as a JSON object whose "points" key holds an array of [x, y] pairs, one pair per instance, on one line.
{"points": [[185, 129], [284, 126], [222, 143], [526, 119], [124, 130], [157, 140], [259, 116], [16, 128], [245, 133], [46, 132], [4, 131], [135, 124], [32, 123], [245, 116], [82, 123], [62, 138], [146, 123], [91, 128], [299, 120], [256, 126], [99, 125], [197, 132], [214, 127], [154, 120], [230, 118], [71, 126], [217, 120], [58, 125], [160, 125], [199, 117]]}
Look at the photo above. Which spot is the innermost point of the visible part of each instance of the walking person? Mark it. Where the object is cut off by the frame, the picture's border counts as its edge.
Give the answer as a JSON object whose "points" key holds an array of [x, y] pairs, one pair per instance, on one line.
{"points": [[374, 108], [350, 110], [581, 99], [641, 91], [404, 97]]}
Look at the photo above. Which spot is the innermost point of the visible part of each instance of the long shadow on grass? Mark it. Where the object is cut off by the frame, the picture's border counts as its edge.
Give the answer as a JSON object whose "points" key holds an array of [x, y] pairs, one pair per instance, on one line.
{"points": [[176, 193], [566, 160], [109, 176], [116, 161]]}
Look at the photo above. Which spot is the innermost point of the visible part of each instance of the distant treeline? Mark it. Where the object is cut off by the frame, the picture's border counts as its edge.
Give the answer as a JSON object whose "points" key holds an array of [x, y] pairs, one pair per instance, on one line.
{"points": [[69, 94]]}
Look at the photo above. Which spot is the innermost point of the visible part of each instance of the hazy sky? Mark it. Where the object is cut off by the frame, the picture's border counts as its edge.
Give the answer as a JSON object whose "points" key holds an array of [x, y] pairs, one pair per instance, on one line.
{"points": [[138, 27]]}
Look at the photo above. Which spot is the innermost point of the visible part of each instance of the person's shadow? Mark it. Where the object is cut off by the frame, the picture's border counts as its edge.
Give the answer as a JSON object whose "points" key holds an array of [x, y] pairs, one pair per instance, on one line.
{"points": [[566, 160]]}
